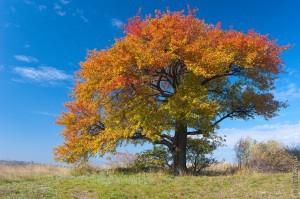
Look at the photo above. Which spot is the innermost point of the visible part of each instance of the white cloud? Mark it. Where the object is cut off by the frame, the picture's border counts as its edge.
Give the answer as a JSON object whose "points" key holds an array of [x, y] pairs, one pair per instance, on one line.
{"points": [[285, 133], [25, 58], [59, 10], [117, 23], [288, 93], [42, 73]]}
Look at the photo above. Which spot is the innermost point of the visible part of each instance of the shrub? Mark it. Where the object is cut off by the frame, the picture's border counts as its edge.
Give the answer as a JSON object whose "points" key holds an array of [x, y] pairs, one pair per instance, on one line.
{"points": [[293, 150], [199, 152], [84, 169], [270, 156], [199, 155], [157, 158]]}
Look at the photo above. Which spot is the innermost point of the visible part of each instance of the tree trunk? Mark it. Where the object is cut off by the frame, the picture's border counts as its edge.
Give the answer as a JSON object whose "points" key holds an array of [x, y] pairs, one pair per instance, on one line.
{"points": [[179, 151]]}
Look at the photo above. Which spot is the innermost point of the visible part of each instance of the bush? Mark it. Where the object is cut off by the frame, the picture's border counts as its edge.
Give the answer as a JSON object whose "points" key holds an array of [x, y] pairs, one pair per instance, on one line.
{"points": [[294, 151], [198, 155], [154, 159], [199, 152], [84, 169], [270, 156]]}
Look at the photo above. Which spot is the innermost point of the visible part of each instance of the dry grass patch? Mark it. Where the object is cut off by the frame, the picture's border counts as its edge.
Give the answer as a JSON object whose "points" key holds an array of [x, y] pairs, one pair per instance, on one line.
{"points": [[14, 172]]}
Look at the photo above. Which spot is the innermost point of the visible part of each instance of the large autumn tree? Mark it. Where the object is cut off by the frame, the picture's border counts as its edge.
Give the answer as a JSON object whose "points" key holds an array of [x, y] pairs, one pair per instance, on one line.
{"points": [[171, 76]]}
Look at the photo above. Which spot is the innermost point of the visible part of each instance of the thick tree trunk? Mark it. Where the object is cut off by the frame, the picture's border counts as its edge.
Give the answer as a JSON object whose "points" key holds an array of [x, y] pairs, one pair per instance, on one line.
{"points": [[179, 151]]}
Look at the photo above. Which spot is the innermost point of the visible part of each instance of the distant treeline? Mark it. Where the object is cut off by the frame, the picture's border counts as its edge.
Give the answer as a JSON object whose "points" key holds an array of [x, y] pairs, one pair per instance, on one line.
{"points": [[15, 162]]}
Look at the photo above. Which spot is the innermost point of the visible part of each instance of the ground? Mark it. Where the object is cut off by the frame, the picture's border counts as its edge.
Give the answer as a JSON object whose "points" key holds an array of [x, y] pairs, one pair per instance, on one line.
{"points": [[51, 182]]}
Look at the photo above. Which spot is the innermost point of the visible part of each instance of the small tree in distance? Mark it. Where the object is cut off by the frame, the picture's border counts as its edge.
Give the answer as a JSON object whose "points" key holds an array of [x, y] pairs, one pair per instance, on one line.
{"points": [[199, 152], [170, 77], [243, 151]]}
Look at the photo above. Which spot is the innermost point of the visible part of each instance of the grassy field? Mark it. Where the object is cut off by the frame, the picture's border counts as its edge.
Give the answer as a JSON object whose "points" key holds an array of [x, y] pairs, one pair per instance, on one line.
{"points": [[34, 181]]}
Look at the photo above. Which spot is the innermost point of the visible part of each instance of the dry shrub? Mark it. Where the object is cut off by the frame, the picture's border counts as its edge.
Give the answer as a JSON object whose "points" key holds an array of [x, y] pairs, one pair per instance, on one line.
{"points": [[270, 156], [294, 150]]}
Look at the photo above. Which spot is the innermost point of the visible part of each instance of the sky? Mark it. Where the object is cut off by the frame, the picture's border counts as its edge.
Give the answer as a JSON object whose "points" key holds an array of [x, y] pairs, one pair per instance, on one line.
{"points": [[42, 43]]}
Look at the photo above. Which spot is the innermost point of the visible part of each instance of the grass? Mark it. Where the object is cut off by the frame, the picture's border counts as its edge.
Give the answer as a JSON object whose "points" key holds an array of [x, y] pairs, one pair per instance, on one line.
{"points": [[51, 182]]}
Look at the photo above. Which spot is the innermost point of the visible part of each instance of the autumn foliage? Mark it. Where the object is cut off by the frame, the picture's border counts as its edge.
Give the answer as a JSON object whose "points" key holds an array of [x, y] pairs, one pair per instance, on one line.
{"points": [[171, 75]]}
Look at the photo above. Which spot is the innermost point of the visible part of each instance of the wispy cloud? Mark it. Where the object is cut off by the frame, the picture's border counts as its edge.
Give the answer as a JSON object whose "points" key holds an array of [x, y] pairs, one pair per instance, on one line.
{"points": [[117, 23], [65, 2], [291, 91], [42, 74], [29, 2], [13, 9], [290, 71], [59, 10], [9, 25], [284, 132], [80, 13], [27, 46], [25, 58], [46, 114], [39, 7]]}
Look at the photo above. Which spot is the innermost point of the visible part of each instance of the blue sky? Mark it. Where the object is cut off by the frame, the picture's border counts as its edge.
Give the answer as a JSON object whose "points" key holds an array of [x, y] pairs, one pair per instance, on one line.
{"points": [[42, 43]]}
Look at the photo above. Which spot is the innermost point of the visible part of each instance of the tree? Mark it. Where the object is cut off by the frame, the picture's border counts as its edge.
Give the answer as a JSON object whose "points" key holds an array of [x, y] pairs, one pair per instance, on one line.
{"points": [[243, 151], [171, 76]]}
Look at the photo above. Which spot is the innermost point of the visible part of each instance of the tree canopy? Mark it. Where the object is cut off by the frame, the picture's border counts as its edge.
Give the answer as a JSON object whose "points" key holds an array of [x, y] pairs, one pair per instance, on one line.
{"points": [[171, 72]]}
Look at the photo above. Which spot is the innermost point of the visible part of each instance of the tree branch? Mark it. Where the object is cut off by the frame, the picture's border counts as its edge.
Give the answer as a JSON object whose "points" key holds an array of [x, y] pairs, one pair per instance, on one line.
{"points": [[140, 136], [167, 137], [217, 76], [229, 115], [197, 132], [233, 70], [247, 111]]}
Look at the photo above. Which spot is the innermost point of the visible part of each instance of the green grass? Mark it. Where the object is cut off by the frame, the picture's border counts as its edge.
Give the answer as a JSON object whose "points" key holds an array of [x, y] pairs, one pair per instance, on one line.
{"points": [[147, 185]]}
